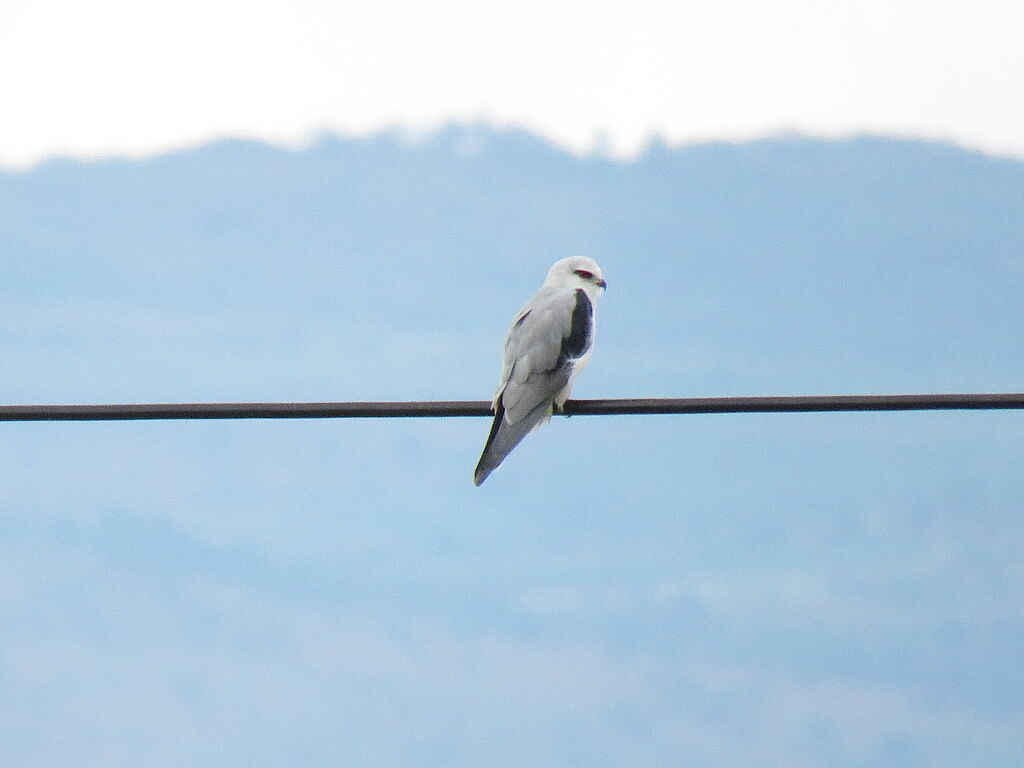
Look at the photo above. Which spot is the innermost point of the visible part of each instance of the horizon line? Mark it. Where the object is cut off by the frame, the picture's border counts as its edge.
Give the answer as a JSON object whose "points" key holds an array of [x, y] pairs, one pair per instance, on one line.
{"points": [[412, 136]]}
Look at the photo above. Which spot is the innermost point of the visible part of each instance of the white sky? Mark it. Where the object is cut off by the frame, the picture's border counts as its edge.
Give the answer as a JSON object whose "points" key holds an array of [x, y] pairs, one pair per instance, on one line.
{"points": [[95, 77]]}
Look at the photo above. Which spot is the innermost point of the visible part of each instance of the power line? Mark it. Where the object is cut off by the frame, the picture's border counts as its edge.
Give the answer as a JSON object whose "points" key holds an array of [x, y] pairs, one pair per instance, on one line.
{"points": [[446, 408]]}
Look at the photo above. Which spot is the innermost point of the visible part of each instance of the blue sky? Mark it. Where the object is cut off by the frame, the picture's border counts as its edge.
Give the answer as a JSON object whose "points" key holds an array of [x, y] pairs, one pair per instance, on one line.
{"points": [[120, 77]]}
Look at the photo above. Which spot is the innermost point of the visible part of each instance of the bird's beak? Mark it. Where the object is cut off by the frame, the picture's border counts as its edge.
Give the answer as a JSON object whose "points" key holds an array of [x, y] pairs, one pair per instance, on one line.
{"points": [[603, 284]]}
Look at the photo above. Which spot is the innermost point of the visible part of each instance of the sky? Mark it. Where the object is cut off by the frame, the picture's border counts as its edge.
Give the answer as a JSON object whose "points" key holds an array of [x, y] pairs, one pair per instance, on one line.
{"points": [[128, 78]]}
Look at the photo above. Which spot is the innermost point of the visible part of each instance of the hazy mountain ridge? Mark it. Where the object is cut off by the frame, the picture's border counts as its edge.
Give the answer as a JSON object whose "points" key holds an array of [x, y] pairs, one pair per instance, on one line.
{"points": [[803, 590], [903, 253]]}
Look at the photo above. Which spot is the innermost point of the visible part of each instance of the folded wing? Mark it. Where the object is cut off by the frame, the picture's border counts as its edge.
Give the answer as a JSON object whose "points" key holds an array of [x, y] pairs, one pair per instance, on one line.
{"points": [[550, 334]]}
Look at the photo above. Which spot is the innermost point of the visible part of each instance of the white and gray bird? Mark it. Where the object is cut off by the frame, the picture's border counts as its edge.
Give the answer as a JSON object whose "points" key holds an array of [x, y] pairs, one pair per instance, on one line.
{"points": [[545, 350]]}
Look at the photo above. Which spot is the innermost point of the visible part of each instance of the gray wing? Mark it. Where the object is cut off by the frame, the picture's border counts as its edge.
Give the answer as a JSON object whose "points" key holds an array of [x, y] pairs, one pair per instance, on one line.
{"points": [[549, 334]]}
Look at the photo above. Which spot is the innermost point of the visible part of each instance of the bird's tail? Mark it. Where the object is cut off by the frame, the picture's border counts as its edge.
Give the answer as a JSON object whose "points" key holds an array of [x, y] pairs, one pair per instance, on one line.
{"points": [[504, 437]]}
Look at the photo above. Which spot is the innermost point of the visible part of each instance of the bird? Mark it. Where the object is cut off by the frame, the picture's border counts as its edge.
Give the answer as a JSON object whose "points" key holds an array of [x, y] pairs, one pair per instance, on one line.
{"points": [[547, 346]]}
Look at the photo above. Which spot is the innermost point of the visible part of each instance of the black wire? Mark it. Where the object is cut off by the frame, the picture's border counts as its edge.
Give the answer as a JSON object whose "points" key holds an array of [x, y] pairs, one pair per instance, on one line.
{"points": [[444, 408]]}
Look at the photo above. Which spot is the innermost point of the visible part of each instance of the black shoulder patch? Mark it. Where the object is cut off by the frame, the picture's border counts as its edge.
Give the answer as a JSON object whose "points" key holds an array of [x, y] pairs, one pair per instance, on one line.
{"points": [[580, 329]]}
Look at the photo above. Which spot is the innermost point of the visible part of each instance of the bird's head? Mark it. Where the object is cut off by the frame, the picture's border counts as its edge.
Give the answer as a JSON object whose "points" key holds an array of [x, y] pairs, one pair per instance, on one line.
{"points": [[577, 272]]}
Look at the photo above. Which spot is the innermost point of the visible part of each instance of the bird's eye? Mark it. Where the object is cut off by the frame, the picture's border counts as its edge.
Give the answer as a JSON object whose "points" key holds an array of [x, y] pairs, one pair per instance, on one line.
{"points": [[584, 274]]}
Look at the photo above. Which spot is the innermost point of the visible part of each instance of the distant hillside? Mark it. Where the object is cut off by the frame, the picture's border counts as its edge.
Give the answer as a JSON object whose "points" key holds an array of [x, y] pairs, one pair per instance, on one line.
{"points": [[893, 264], [727, 591]]}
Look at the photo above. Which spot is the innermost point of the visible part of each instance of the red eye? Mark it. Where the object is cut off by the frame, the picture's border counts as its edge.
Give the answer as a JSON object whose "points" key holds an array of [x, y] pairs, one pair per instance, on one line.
{"points": [[584, 274]]}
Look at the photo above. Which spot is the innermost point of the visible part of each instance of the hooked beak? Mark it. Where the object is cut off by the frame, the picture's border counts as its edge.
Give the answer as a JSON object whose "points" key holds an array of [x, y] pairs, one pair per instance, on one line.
{"points": [[603, 284]]}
